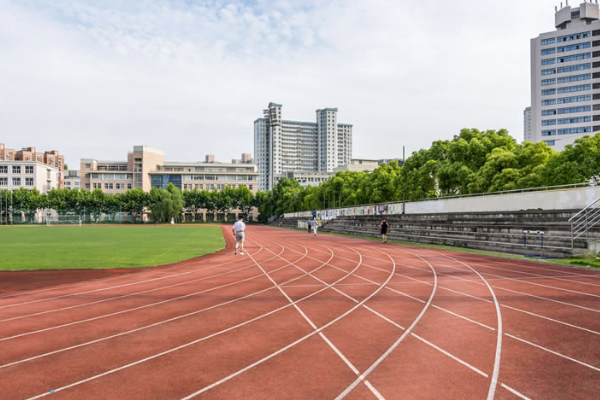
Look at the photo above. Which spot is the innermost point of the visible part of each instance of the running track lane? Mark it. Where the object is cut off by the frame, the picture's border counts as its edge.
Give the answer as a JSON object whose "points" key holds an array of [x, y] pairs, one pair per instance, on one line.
{"points": [[302, 318]]}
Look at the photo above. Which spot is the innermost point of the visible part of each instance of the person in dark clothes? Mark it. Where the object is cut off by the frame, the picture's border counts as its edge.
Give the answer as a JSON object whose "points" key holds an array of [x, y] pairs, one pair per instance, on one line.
{"points": [[308, 224], [384, 227]]}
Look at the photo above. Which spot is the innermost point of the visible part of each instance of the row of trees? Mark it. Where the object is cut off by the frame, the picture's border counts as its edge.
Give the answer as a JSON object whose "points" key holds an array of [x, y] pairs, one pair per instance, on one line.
{"points": [[472, 162], [164, 204]]}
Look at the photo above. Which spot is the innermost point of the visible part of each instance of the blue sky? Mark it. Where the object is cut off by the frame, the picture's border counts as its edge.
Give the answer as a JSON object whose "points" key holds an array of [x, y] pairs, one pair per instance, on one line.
{"points": [[94, 78]]}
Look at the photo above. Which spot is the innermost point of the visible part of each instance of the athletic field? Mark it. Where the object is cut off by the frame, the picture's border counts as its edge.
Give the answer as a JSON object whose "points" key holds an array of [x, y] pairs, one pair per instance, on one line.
{"points": [[91, 247], [310, 318]]}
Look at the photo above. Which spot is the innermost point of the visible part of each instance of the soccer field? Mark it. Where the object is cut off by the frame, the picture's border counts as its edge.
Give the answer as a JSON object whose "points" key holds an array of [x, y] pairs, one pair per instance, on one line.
{"points": [[91, 247]]}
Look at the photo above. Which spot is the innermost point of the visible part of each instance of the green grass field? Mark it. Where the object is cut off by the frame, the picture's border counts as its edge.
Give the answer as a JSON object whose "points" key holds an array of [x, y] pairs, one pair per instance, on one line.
{"points": [[91, 247]]}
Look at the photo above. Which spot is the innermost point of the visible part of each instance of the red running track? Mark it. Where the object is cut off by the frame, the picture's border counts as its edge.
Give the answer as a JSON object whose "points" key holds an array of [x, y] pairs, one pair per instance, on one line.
{"points": [[303, 317]]}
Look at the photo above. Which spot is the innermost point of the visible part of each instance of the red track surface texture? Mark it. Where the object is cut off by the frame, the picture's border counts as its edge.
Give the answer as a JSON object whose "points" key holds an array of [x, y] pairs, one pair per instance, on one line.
{"points": [[303, 317]]}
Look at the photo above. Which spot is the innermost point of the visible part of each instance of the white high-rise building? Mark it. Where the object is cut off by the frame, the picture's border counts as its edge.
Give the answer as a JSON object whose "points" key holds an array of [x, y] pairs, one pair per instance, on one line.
{"points": [[527, 125], [283, 146], [565, 67]]}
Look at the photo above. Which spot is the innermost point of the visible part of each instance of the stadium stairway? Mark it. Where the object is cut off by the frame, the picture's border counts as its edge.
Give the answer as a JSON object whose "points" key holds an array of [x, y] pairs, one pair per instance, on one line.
{"points": [[496, 231]]}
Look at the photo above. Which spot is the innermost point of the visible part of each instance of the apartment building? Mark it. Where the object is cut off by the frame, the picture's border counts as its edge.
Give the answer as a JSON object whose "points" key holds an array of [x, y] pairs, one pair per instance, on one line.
{"points": [[51, 158], [565, 67], [205, 176], [146, 168], [29, 175], [72, 180], [286, 146]]}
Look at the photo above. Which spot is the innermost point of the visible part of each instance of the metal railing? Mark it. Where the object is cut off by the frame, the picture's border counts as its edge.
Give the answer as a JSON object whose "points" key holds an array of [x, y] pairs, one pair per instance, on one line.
{"points": [[584, 220]]}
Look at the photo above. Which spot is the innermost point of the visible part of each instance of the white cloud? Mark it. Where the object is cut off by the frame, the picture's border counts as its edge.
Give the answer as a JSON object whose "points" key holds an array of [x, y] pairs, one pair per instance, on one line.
{"points": [[94, 78]]}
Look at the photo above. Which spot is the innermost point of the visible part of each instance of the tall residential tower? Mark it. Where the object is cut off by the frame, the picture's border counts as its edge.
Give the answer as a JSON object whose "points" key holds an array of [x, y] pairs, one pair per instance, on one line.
{"points": [[282, 146], [565, 67]]}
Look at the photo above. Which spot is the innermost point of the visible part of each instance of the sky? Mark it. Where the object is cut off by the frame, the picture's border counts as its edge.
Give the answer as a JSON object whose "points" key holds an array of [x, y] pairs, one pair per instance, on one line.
{"points": [[93, 78]]}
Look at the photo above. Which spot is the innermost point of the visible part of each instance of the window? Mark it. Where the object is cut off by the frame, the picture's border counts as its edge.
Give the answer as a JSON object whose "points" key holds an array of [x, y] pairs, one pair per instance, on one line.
{"points": [[574, 99], [548, 92], [548, 112], [549, 133], [546, 82], [548, 61], [546, 42], [569, 110], [16, 181], [129, 186], [569, 89], [575, 120], [574, 57], [108, 186], [578, 46], [546, 52], [28, 181], [571, 68], [575, 36], [3, 169], [547, 122], [548, 102], [87, 185], [574, 78], [88, 166], [570, 131], [550, 142], [16, 169], [29, 169], [3, 181]]}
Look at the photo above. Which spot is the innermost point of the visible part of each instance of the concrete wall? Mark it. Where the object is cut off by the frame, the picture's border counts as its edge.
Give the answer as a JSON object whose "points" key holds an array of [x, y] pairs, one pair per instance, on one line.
{"points": [[566, 199]]}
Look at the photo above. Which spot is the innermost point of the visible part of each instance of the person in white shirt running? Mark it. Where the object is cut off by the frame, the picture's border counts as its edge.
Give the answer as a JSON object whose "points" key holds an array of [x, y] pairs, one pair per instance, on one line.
{"points": [[238, 231]]}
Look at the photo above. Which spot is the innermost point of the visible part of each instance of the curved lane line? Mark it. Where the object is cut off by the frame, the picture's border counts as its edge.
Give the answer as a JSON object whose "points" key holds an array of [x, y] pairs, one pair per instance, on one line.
{"points": [[204, 339], [115, 287], [160, 322], [321, 334], [400, 339], [496, 370]]}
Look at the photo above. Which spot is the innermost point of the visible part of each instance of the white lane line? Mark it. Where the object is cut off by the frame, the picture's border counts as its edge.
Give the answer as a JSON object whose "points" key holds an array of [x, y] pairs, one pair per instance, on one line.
{"points": [[513, 391], [496, 370], [523, 311], [504, 278], [478, 298], [186, 264], [437, 347], [214, 335], [393, 346], [554, 352], [539, 276], [154, 324], [331, 345], [241, 371], [451, 356], [123, 296], [128, 310], [548, 267], [529, 294], [116, 287]]}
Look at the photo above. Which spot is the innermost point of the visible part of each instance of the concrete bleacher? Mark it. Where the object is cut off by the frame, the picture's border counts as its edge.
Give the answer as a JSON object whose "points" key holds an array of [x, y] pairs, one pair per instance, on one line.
{"points": [[492, 231]]}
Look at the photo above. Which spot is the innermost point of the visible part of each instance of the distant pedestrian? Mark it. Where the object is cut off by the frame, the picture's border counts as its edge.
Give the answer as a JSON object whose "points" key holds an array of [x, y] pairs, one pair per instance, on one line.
{"points": [[239, 229], [315, 225], [308, 224], [384, 227]]}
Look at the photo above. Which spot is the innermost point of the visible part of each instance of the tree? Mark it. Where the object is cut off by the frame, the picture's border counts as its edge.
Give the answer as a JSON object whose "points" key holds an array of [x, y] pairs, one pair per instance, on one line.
{"points": [[133, 202], [26, 201]]}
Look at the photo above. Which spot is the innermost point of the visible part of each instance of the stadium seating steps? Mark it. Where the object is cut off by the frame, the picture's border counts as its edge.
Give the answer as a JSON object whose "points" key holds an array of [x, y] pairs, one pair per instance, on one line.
{"points": [[491, 231]]}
